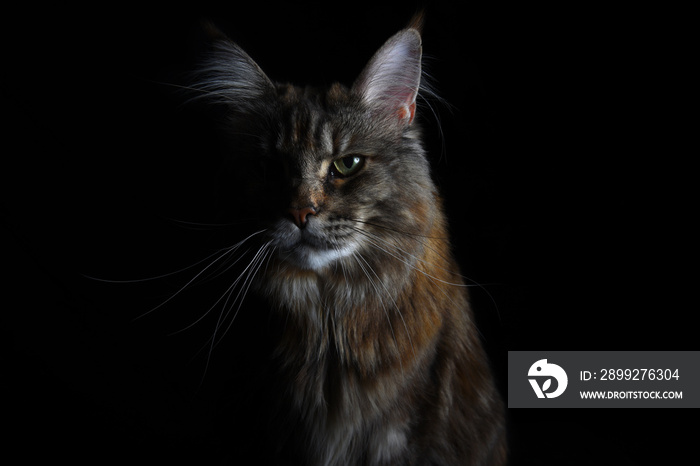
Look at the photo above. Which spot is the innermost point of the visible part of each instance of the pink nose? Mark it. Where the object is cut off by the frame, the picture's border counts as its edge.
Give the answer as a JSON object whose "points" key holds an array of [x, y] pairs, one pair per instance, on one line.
{"points": [[299, 215]]}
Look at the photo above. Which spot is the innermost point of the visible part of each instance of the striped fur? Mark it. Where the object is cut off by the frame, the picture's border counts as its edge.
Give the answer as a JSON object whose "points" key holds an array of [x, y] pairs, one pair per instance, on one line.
{"points": [[379, 361]]}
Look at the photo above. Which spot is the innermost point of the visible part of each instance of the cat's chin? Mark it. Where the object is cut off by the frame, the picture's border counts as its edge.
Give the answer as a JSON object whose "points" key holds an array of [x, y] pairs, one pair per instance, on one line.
{"points": [[312, 258], [309, 248]]}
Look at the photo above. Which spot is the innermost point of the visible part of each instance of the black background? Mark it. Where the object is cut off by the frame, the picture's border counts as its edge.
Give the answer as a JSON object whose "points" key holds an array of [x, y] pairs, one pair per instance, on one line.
{"points": [[566, 190]]}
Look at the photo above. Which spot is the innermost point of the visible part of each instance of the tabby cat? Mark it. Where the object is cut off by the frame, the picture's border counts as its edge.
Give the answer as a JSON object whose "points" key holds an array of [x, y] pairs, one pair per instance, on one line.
{"points": [[377, 361]]}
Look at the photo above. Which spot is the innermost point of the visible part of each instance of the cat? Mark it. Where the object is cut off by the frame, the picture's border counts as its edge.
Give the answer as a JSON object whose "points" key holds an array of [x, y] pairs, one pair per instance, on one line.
{"points": [[377, 360]]}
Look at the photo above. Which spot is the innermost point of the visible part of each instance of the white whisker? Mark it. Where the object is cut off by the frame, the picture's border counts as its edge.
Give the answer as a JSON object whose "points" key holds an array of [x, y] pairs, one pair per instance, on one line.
{"points": [[372, 240], [227, 251], [228, 292], [158, 277], [357, 257], [249, 273], [261, 257], [388, 293]]}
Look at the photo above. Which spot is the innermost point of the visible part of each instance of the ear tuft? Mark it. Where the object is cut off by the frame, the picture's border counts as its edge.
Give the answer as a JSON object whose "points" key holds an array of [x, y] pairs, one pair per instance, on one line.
{"points": [[228, 74], [390, 81], [417, 21]]}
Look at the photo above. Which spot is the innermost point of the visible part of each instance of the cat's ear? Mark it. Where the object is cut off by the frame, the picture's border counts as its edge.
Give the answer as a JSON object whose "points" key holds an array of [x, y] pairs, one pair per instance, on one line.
{"points": [[390, 81], [228, 74]]}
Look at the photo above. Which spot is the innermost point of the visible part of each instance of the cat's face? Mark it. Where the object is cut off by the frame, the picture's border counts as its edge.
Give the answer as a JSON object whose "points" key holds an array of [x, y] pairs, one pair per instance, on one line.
{"points": [[332, 176]]}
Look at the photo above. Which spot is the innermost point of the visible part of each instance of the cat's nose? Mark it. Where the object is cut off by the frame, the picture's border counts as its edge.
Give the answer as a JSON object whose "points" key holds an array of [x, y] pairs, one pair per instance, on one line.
{"points": [[299, 215]]}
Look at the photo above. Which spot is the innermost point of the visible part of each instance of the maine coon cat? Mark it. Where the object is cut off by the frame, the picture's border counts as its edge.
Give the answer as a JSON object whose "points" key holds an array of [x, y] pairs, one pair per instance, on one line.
{"points": [[377, 361]]}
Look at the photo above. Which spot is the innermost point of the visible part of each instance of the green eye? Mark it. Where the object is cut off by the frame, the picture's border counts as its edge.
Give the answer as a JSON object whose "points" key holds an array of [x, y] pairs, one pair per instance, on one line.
{"points": [[347, 165]]}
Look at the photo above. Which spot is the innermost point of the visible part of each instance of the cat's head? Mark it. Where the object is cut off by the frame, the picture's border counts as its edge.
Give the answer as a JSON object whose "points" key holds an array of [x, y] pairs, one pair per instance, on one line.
{"points": [[335, 176]]}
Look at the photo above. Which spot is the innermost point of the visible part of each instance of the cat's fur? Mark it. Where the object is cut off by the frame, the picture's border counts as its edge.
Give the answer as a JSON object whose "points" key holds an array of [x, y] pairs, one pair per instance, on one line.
{"points": [[378, 361]]}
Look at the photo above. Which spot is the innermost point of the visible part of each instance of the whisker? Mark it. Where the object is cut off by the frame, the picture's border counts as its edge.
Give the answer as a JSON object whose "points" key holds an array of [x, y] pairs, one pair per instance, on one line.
{"points": [[373, 238], [224, 267], [417, 237], [260, 260], [386, 314], [228, 292], [398, 311], [372, 241], [227, 251], [192, 280], [158, 277], [188, 224], [413, 236], [394, 230], [212, 341]]}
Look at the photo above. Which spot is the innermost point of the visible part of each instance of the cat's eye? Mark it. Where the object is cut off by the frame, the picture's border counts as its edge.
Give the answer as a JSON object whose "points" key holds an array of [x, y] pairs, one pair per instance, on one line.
{"points": [[347, 165]]}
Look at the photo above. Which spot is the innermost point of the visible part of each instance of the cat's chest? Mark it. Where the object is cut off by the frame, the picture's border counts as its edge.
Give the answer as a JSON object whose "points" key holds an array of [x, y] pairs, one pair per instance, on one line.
{"points": [[314, 298], [348, 421]]}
